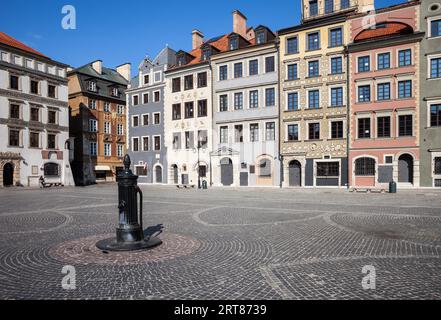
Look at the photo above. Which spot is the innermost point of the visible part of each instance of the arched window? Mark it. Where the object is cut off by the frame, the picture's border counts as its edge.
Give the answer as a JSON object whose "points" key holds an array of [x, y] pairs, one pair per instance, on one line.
{"points": [[51, 170], [265, 168], [365, 167]]}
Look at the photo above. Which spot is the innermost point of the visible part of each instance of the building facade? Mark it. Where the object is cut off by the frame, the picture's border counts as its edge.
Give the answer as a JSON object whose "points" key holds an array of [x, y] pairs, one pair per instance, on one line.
{"points": [[246, 108], [313, 95], [384, 58], [98, 121], [430, 99], [145, 101], [34, 117]]}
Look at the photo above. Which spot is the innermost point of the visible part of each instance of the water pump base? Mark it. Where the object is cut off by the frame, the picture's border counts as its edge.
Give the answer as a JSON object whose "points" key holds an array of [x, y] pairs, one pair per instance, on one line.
{"points": [[113, 245]]}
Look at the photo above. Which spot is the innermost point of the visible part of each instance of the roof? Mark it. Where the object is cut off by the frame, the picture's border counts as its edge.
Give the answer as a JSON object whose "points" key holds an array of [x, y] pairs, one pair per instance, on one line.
{"points": [[107, 74], [9, 41], [382, 30]]}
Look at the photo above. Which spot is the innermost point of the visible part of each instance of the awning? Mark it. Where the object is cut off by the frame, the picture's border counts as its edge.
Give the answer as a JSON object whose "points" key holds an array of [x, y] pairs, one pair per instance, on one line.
{"points": [[102, 168]]}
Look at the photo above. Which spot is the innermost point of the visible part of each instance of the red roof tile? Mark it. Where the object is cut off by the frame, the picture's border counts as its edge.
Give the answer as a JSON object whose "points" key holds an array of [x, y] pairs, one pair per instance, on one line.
{"points": [[7, 40], [388, 29]]}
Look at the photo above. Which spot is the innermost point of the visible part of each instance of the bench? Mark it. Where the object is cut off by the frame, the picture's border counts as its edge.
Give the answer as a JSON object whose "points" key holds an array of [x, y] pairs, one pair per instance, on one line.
{"points": [[44, 184], [367, 190], [185, 186]]}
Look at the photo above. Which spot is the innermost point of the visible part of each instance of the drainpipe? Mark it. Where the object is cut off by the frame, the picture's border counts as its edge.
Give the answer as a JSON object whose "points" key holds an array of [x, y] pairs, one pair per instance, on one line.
{"points": [[348, 113], [212, 121], [279, 156]]}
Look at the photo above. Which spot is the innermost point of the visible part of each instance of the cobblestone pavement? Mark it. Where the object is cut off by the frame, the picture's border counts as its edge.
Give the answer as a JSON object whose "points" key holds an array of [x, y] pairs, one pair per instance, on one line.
{"points": [[224, 244]]}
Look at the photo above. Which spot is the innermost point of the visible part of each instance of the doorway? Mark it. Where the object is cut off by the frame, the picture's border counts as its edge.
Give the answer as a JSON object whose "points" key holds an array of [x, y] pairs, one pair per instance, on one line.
{"points": [[8, 175], [295, 174]]}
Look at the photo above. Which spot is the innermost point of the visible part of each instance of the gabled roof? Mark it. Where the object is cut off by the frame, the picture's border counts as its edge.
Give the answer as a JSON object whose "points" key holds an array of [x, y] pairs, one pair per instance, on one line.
{"points": [[9, 41], [107, 74]]}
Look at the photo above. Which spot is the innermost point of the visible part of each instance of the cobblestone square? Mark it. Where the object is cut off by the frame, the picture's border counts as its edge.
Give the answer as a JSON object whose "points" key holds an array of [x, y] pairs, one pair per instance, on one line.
{"points": [[224, 244]]}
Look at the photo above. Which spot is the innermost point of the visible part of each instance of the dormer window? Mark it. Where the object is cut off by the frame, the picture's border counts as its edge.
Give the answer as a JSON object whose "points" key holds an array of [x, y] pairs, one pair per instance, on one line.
{"points": [[234, 43], [313, 8], [181, 60], [91, 86], [261, 37], [115, 92], [206, 54]]}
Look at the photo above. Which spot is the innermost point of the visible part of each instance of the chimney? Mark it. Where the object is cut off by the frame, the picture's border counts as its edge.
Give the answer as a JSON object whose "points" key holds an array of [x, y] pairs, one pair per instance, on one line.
{"points": [[98, 66], [124, 70], [197, 39], [239, 23]]}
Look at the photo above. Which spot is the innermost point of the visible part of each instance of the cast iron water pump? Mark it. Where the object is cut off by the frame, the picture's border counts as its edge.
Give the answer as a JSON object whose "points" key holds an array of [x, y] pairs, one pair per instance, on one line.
{"points": [[130, 232]]}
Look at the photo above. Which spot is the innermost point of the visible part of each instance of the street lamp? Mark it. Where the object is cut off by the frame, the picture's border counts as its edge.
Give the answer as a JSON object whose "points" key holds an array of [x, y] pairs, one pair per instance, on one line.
{"points": [[199, 143]]}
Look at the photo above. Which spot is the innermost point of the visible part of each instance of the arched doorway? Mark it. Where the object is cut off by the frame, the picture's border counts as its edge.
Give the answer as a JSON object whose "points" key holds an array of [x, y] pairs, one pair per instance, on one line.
{"points": [[8, 175], [175, 174], [405, 169], [226, 172], [295, 174], [158, 174]]}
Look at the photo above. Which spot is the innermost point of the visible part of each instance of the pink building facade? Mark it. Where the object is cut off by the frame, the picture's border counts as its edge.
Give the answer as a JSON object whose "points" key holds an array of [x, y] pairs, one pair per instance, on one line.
{"points": [[384, 98]]}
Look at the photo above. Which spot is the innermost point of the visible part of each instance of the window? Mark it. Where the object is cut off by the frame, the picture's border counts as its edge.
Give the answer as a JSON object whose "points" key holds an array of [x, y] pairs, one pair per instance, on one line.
{"points": [[176, 84], [206, 54], [158, 76], [292, 45], [13, 82], [203, 139], [328, 169], [51, 169], [223, 73], [93, 125], [35, 87], [293, 132], [435, 68], [176, 111], [314, 99], [383, 91], [135, 121], [404, 58], [260, 37], [435, 28], [156, 96], [435, 115], [224, 134], [389, 159], [270, 97], [234, 43], [14, 111], [34, 140], [337, 97], [91, 86], [383, 127], [146, 79], [189, 110], [157, 143], [292, 72], [223, 103], [202, 80], [107, 127], [92, 104], [141, 171], [203, 171], [119, 150], [437, 165], [176, 141], [156, 118], [313, 41], [52, 117], [337, 130], [365, 167], [254, 132], [293, 101], [238, 101], [51, 141], [329, 6], [336, 37], [135, 100], [364, 64], [106, 107], [238, 70], [313, 8], [364, 128], [114, 92], [93, 148], [254, 67], [314, 131], [364, 93], [238, 133], [120, 129], [270, 64], [189, 139], [51, 91], [265, 168], [313, 68], [405, 89], [344, 4], [107, 150], [405, 125], [14, 137], [202, 108], [135, 144], [383, 61], [188, 82], [121, 109], [270, 134], [145, 98], [254, 99], [336, 65], [35, 114]]}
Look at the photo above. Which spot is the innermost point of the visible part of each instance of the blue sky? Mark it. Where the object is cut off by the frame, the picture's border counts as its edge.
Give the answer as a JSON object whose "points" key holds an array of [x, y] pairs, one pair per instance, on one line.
{"points": [[117, 34]]}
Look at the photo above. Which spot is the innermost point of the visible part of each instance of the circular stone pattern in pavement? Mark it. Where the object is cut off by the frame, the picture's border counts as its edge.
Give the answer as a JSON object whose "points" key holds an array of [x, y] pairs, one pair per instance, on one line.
{"points": [[425, 230], [84, 251], [31, 222]]}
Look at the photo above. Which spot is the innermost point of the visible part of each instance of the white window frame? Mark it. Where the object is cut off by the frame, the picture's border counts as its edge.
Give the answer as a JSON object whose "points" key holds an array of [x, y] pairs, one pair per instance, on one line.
{"points": [[143, 98], [429, 104], [435, 176], [369, 83], [342, 63], [342, 86], [110, 149], [153, 122], [330, 128], [397, 87], [142, 143], [299, 126], [391, 57], [107, 127], [307, 98], [405, 112], [160, 143], [94, 127], [371, 67], [133, 144], [299, 107], [118, 131], [397, 57], [133, 121], [388, 155], [391, 91], [95, 149], [154, 94], [429, 64], [154, 76], [119, 147], [380, 114], [429, 27], [142, 117], [364, 115], [306, 129]]}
